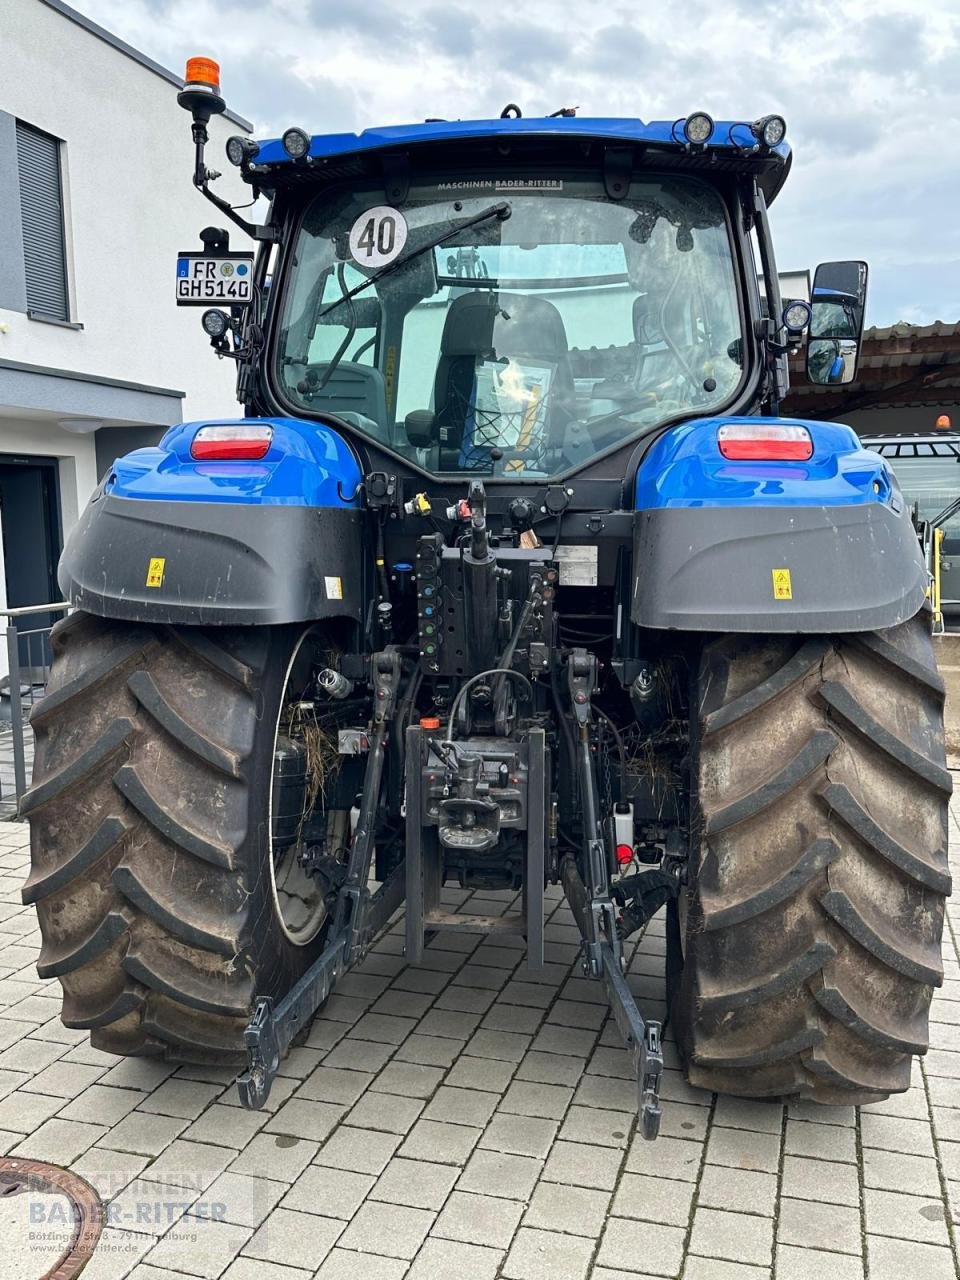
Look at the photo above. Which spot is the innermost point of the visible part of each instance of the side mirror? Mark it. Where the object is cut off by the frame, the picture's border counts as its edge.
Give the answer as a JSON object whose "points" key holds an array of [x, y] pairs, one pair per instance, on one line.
{"points": [[836, 326], [421, 425]]}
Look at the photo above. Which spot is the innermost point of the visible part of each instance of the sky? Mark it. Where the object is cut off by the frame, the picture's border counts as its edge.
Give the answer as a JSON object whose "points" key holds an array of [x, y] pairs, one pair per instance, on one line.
{"points": [[870, 93]]}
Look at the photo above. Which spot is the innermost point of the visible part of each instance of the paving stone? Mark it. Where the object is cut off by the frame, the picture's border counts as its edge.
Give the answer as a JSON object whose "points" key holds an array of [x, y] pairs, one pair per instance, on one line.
{"points": [[745, 1149], [716, 1269], [191, 1165], [358, 1150], [324, 1035], [893, 1133], [655, 1199], [488, 1074], [108, 1172], [59, 1141], [294, 1239], [279, 1156], [817, 1264], [736, 1237], [444, 1143], [346, 1264], [506, 1046], [359, 1055], [547, 1255], [448, 1022], [151, 1207], [391, 1229], [183, 1098], [117, 1252], [226, 1126], [387, 1112], [564, 1040], [382, 1029], [574, 1013], [403, 1004], [426, 980], [893, 1171], [801, 1222], [807, 1179], [100, 1105], [682, 1120], [741, 1190], [478, 1219], [451, 1259], [409, 1079], [512, 1017], [138, 1073], [890, 1259], [496, 1173], [665, 1158], [148, 1134], [607, 1093], [242, 1198], [519, 1135], [333, 1193], [890, 1213], [199, 1247], [332, 1084], [305, 1119], [24, 1112], [625, 1241], [431, 1051], [461, 1106], [590, 1124], [419, 1184], [464, 999], [64, 1079], [581, 1164]]}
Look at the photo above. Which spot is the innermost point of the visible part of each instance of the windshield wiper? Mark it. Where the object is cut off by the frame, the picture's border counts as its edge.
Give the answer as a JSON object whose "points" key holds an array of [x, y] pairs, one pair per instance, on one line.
{"points": [[501, 211]]}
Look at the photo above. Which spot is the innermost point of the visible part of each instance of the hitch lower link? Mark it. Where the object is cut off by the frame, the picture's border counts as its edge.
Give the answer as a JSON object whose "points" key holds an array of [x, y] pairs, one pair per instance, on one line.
{"points": [[592, 903], [358, 916]]}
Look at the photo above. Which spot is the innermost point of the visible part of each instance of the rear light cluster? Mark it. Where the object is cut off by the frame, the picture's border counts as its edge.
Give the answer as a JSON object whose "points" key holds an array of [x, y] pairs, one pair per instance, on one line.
{"points": [[765, 442], [231, 442]]}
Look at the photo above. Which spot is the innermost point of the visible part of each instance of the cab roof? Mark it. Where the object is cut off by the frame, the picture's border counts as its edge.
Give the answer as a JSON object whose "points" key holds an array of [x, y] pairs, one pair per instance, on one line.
{"points": [[730, 145]]}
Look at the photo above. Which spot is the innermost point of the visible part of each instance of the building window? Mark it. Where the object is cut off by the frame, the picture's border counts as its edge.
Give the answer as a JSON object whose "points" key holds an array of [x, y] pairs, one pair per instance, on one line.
{"points": [[41, 213]]}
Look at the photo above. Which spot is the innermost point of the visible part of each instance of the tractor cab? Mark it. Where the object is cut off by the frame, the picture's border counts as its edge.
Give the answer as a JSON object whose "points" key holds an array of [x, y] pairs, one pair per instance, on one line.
{"points": [[514, 299]]}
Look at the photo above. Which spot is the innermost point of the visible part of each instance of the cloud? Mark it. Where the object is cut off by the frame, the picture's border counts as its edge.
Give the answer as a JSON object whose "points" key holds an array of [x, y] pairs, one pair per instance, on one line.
{"points": [[870, 90]]}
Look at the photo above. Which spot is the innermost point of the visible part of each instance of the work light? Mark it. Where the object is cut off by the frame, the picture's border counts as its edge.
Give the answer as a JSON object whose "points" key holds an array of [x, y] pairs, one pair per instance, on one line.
{"points": [[296, 143], [796, 315], [215, 323], [239, 149], [769, 130], [698, 129]]}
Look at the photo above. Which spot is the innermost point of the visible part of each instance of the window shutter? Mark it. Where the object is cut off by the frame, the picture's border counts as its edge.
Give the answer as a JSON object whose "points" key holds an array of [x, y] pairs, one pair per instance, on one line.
{"points": [[41, 213]]}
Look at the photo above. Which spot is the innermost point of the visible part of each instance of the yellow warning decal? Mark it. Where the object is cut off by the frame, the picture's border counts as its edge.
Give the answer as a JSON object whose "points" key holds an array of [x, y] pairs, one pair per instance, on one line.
{"points": [[155, 571], [782, 585]]}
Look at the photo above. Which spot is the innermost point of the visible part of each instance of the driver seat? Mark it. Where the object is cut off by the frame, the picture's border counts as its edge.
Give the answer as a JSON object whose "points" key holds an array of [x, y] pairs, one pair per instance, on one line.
{"points": [[485, 326]]}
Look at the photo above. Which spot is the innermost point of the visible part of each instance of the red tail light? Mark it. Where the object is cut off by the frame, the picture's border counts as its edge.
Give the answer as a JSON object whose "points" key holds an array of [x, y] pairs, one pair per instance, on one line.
{"points": [[765, 442], [233, 442]]}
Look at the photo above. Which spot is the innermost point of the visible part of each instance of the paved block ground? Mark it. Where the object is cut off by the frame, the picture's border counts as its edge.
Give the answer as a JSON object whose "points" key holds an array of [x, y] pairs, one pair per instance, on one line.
{"points": [[460, 1120]]}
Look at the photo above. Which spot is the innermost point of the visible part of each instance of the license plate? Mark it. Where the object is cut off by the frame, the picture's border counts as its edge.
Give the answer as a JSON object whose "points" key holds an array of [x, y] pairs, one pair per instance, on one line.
{"points": [[206, 279]]}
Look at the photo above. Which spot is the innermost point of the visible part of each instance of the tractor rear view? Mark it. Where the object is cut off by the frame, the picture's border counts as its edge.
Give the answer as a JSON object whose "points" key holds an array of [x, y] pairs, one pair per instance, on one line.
{"points": [[510, 575]]}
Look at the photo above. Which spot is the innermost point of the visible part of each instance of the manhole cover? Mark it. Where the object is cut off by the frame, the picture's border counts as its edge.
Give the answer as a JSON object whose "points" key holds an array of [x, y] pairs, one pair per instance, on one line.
{"points": [[50, 1221]]}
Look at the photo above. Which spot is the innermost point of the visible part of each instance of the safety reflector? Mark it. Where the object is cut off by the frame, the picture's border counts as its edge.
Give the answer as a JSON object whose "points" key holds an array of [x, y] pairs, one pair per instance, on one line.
{"points": [[765, 442], [232, 441]]}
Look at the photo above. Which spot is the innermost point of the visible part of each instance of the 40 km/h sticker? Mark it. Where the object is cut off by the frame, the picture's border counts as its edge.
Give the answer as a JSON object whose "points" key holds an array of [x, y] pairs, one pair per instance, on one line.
{"points": [[378, 236]]}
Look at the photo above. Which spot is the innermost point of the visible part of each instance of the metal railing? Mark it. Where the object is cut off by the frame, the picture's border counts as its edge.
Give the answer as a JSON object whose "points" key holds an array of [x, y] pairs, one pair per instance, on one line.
{"points": [[28, 661]]}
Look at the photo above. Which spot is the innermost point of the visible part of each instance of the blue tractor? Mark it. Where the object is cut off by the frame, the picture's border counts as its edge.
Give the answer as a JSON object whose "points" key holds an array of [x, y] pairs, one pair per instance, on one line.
{"points": [[510, 575]]}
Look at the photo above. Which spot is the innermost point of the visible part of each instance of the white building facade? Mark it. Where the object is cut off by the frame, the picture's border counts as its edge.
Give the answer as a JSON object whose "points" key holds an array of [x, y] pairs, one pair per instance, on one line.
{"points": [[96, 200]]}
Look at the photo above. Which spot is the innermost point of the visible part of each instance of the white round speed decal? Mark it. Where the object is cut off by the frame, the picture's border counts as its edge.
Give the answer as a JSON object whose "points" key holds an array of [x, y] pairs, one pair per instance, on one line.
{"points": [[378, 236]]}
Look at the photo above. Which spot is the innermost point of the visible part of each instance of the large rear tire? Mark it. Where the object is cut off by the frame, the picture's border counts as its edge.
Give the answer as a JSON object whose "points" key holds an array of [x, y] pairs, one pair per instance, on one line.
{"points": [[150, 834], [804, 952]]}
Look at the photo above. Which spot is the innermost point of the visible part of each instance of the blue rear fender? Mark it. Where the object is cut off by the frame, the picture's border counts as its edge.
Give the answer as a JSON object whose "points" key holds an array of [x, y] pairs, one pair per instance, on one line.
{"points": [[814, 546], [685, 468], [173, 539], [307, 464]]}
